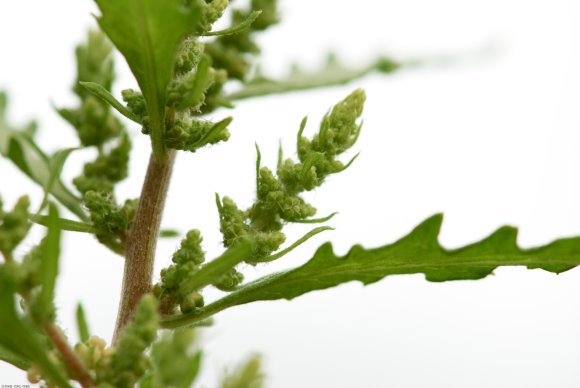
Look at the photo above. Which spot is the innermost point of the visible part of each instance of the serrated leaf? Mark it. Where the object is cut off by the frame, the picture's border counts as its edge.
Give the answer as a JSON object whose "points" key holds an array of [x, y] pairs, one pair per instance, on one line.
{"points": [[333, 73], [20, 148], [418, 252], [147, 33]]}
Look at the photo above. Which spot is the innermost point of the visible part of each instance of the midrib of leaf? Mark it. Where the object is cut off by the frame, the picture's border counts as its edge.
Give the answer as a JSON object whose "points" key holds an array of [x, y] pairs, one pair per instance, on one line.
{"points": [[156, 110]]}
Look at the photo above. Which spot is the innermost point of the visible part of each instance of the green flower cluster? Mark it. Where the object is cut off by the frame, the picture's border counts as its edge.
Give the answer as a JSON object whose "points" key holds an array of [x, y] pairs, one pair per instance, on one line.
{"points": [[97, 126], [111, 220], [187, 260], [26, 274], [93, 120], [278, 196], [14, 226], [128, 361]]}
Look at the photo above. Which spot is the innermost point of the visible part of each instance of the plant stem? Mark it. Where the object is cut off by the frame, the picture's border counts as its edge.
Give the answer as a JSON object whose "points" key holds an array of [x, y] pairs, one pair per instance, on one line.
{"points": [[142, 239], [75, 365]]}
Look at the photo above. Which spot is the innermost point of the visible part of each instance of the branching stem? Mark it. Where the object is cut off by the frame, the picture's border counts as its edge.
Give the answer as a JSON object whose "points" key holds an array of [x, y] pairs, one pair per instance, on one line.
{"points": [[142, 239], [75, 365]]}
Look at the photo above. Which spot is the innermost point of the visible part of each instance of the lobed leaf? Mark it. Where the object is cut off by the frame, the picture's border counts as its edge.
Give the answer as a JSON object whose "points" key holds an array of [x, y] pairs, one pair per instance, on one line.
{"points": [[418, 252], [333, 73], [147, 33]]}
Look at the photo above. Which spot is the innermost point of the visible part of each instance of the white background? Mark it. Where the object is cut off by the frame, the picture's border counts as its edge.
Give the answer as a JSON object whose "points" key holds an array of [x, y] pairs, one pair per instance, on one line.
{"points": [[491, 139]]}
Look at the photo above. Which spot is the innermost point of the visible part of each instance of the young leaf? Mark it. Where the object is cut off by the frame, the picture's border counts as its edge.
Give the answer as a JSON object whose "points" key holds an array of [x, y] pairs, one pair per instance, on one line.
{"points": [[82, 324], [50, 265], [103, 94], [56, 164], [64, 224], [20, 148], [147, 33], [418, 252]]}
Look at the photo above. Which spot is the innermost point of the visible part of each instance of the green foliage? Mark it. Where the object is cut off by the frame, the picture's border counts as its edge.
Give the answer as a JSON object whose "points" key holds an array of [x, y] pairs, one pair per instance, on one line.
{"points": [[20, 341], [14, 226], [333, 73], [418, 252], [278, 197], [182, 67], [230, 51], [97, 127], [82, 325], [43, 309]]}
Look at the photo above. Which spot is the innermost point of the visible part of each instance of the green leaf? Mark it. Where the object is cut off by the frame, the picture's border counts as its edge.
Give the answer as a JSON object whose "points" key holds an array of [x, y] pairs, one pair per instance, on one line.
{"points": [[333, 73], [13, 358], [147, 33], [103, 94], [20, 148], [418, 252], [240, 27], [49, 268], [169, 233], [18, 336], [295, 245], [64, 224], [56, 164], [82, 324]]}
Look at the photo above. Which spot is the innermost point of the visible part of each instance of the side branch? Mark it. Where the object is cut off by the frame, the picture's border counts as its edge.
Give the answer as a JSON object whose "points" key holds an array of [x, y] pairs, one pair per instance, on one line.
{"points": [[142, 239], [74, 364]]}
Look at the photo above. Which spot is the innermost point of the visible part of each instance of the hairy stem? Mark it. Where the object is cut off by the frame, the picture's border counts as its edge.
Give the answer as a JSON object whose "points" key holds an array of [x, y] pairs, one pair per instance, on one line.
{"points": [[74, 364], [142, 239]]}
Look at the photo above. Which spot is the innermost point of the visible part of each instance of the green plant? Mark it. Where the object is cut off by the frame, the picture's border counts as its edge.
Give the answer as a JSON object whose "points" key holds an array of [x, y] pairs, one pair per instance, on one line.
{"points": [[175, 97]]}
